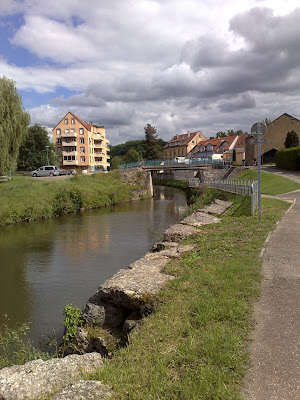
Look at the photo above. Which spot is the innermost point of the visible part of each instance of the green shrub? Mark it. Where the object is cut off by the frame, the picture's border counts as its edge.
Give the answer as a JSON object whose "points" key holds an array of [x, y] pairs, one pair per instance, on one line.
{"points": [[16, 347], [77, 198], [288, 158], [72, 320], [61, 204]]}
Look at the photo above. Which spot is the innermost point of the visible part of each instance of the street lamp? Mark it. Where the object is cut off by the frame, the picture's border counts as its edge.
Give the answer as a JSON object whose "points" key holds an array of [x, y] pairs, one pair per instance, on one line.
{"points": [[47, 147]]}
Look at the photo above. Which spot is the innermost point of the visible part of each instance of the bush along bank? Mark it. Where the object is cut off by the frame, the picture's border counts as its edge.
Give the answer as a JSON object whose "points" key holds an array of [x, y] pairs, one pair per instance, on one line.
{"points": [[27, 199]]}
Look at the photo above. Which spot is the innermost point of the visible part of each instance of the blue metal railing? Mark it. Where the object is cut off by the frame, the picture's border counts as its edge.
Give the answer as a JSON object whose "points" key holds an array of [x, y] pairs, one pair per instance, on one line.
{"points": [[164, 162]]}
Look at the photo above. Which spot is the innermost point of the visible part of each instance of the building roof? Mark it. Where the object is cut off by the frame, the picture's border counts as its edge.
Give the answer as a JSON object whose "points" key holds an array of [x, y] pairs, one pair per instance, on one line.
{"points": [[182, 140], [286, 114], [87, 125], [232, 142]]}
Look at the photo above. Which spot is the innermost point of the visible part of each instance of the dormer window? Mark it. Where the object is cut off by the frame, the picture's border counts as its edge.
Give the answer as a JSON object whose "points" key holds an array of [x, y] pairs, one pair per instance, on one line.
{"points": [[202, 148], [209, 147]]}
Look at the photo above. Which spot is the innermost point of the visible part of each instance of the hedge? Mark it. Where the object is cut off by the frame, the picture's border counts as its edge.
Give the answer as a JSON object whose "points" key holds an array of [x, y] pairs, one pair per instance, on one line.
{"points": [[288, 158]]}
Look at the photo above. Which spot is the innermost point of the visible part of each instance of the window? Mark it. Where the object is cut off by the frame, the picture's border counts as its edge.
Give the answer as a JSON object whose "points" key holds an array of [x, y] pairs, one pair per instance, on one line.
{"points": [[82, 159], [66, 121], [59, 149], [67, 130], [82, 140], [182, 150], [58, 131], [58, 140], [82, 150], [73, 121], [72, 130], [178, 151], [81, 131]]}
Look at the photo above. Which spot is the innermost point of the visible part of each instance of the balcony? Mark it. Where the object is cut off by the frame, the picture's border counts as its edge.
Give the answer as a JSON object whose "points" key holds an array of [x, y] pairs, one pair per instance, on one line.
{"points": [[98, 145], [70, 162], [70, 153], [73, 143], [69, 134]]}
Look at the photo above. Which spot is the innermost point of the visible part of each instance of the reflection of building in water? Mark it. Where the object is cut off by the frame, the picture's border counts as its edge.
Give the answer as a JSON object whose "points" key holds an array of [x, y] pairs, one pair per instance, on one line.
{"points": [[90, 236]]}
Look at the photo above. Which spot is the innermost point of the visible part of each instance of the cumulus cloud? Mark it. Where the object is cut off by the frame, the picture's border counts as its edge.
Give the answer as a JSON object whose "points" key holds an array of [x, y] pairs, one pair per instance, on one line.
{"points": [[205, 65]]}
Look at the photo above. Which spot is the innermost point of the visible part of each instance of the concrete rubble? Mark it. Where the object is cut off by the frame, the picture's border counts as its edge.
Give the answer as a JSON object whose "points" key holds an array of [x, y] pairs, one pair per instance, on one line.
{"points": [[40, 378]]}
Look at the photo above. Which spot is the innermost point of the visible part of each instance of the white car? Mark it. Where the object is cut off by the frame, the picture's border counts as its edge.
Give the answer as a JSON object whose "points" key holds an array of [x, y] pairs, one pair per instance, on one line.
{"points": [[46, 170]]}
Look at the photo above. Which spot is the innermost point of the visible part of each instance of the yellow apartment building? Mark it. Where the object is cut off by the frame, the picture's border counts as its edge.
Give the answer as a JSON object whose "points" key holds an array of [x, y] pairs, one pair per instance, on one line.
{"points": [[181, 145], [83, 146]]}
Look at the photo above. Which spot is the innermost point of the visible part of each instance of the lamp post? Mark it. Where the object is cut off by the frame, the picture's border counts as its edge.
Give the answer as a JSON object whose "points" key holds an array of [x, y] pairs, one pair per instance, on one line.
{"points": [[47, 147]]}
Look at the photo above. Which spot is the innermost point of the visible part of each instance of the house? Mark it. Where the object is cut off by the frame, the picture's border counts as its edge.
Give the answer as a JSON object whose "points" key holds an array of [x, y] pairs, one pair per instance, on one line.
{"points": [[276, 135], [181, 145], [83, 146], [223, 146]]}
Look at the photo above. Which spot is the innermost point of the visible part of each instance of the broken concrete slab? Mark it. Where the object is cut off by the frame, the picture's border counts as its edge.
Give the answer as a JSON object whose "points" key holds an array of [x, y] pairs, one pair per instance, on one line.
{"points": [[218, 207], [134, 289], [84, 390], [152, 260], [39, 378], [199, 218], [178, 232]]}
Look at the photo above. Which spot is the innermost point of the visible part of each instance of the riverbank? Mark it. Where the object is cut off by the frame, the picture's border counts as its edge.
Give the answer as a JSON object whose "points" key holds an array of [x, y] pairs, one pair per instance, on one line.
{"points": [[26, 199], [195, 345]]}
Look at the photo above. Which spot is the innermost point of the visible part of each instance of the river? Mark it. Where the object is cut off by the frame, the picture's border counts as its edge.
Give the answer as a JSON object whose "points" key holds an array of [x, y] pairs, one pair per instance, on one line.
{"points": [[45, 265]]}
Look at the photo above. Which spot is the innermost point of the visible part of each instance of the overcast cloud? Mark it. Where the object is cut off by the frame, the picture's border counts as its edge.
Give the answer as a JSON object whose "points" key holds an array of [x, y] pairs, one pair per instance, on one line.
{"points": [[204, 65]]}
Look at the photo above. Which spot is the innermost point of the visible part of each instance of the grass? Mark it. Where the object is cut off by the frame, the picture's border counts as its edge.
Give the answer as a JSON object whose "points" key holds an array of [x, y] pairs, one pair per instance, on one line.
{"points": [[16, 347], [195, 345], [26, 199], [270, 183]]}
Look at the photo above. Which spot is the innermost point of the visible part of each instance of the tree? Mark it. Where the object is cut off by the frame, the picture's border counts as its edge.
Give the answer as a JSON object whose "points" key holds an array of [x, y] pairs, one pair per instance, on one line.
{"points": [[33, 152], [266, 121], [115, 162], [151, 151], [220, 134], [132, 155], [291, 140], [14, 121]]}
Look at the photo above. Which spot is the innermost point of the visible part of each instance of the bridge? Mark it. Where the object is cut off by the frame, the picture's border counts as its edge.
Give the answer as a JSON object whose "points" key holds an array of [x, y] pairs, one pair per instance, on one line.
{"points": [[171, 169]]}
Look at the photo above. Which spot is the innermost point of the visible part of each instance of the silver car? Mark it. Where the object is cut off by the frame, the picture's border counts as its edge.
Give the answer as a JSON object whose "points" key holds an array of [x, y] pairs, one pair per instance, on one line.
{"points": [[46, 170]]}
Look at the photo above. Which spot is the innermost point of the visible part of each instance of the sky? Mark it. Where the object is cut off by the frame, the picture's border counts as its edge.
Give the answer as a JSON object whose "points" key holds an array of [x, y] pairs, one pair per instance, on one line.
{"points": [[180, 65]]}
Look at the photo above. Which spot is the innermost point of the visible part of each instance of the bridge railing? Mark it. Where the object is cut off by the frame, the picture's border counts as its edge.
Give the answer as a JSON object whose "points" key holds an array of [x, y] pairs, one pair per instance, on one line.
{"points": [[241, 186], [166, 162]]}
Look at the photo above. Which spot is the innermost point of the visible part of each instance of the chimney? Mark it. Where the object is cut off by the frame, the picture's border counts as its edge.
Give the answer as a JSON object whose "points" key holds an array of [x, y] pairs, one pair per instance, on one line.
{"points": [[177, 137], [188, 134]]}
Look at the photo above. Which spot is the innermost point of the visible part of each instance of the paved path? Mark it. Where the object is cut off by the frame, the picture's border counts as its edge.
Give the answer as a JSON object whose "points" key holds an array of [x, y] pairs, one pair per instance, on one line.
{"points": [[275, 349]]}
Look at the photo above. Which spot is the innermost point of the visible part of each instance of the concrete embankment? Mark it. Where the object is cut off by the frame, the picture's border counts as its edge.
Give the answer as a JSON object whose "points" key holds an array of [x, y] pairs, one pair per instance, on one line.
{"points": [[110, 315]]}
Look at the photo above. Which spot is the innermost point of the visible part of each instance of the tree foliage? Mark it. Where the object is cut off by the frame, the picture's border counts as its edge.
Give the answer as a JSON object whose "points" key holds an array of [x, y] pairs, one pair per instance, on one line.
{"points": [[115, 162], [291, 140], [220, 134], [139, 145], [132, 155], [151, 151], [33, 152], [14, 121]]}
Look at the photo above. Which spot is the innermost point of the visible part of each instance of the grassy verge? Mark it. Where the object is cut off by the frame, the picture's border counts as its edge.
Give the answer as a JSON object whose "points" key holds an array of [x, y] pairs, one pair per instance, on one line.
{"points": [[24, 198], [270, 183], [195, 345]]}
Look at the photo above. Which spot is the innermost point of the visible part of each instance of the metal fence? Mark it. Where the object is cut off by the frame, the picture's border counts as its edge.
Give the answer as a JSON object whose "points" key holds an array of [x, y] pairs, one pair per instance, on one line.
{"points": [[247, 187], [165, 162]]}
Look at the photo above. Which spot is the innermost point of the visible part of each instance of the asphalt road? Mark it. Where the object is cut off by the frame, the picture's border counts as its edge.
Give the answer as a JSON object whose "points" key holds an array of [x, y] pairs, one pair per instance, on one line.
{"points": [[275, 346]]}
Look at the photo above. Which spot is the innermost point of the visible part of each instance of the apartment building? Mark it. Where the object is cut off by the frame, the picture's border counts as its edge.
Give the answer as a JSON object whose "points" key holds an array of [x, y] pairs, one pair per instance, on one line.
{"points": [[83, 146], [181, 145]]}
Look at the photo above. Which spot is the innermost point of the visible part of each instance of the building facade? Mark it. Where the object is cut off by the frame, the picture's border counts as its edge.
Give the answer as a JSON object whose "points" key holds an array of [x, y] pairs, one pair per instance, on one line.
{"points": [[181, 145], [276, 135], [83, 146]]}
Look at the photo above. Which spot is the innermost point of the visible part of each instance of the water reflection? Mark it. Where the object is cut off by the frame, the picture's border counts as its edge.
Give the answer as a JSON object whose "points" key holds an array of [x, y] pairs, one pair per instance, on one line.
{"points": [[45, 265]]}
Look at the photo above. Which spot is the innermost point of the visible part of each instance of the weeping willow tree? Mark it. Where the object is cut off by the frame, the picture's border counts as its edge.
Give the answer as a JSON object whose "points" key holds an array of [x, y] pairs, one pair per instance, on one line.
{"points": [[14, 122]]}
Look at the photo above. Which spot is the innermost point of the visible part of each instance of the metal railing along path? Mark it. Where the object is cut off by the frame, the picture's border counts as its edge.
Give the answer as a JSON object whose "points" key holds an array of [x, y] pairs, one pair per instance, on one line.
{"points": [[248, 187]]}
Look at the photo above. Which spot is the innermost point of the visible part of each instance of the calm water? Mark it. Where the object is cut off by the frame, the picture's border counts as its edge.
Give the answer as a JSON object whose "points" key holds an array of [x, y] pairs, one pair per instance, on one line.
{"points": [[45, 265]]}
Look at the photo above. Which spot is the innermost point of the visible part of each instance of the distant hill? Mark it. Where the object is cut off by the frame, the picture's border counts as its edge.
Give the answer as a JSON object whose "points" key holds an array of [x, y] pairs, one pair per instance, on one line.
{"points": [[121, 149]]}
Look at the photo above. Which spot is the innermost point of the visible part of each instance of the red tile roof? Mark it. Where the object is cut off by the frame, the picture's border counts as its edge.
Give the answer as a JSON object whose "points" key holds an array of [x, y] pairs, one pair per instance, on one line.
{"points": [[182, 139]]}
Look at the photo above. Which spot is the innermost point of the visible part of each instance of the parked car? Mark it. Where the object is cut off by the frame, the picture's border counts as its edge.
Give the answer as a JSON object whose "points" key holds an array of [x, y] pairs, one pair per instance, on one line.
{"points": [[46, 170], [71, 171]]}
